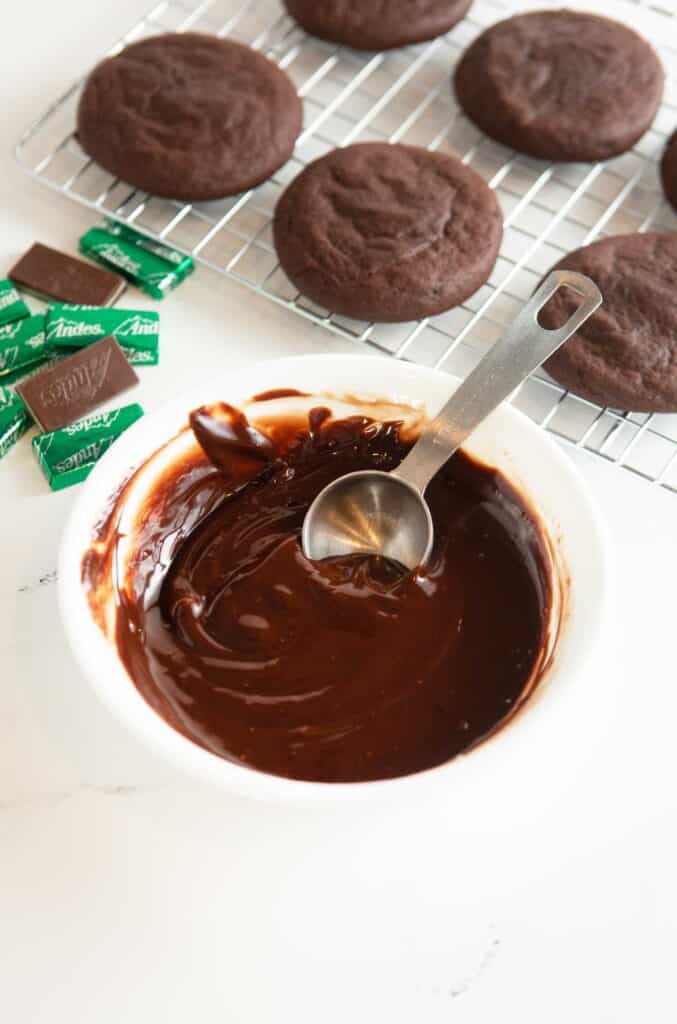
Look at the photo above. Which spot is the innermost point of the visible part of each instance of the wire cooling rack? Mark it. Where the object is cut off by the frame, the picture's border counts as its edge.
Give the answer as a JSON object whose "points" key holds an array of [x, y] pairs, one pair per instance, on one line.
{"points": [[405, 96]]}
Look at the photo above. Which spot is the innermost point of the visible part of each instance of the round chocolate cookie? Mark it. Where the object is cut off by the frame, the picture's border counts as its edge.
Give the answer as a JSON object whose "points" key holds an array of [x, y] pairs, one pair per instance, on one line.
{"points": [[372, 25], [625, 355], [189, 116], [669, 171], [387, 232], [561, 85]]}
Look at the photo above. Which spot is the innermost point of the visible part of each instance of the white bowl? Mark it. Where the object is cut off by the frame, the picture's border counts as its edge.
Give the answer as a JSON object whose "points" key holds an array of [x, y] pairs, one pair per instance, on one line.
{"points": [[507, 440]]}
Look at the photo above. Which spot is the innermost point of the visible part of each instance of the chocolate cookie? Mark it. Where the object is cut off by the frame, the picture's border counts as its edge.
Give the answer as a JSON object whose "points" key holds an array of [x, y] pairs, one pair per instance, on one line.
{"points": [[669, 171], [625, 355], [189, 116], [561, 85], [373, 25], [387, 233]]}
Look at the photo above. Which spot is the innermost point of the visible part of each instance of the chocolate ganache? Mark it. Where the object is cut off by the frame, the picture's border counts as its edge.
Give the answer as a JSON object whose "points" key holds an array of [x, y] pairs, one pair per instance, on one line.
{"points": [[338, 671]]}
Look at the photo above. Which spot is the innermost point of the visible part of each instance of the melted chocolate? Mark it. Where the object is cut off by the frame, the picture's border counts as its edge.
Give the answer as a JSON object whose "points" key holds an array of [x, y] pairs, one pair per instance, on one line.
{"points": [[336, 671]]}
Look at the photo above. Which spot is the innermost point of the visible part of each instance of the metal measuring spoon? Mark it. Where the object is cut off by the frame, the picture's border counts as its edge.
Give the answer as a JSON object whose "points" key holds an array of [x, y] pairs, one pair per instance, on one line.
{"points": [[372, 512]]}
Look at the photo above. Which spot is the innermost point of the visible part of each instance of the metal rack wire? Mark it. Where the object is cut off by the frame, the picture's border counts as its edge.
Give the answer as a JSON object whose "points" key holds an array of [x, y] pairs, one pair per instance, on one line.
{"points": [[404, 96]]}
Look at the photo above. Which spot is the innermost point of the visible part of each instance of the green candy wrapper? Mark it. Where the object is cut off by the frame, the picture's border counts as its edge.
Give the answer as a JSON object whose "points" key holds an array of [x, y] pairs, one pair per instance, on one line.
{"points": [[10, 379], [181, 263], [14, 419], [69, 327], [12, 306], [22, 347], [67, 456], [154, 268]]}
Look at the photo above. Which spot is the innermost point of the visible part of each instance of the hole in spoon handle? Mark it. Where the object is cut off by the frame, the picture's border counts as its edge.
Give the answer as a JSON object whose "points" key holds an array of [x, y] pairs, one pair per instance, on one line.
{"points": [[578, 283], [516, 354]]}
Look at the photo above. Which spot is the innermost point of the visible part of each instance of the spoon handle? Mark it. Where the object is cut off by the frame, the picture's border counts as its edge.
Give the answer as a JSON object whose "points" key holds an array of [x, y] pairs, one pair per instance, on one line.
{"points": [[523, 347]]}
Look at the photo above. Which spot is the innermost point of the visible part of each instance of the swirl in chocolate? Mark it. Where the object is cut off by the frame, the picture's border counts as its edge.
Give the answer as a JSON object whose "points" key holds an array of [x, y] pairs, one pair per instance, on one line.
{"points": [[345, 670]]}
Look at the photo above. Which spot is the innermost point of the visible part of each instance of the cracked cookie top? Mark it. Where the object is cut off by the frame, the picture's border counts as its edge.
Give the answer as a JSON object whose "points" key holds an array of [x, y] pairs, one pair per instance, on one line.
{"points": [[387, 232]]}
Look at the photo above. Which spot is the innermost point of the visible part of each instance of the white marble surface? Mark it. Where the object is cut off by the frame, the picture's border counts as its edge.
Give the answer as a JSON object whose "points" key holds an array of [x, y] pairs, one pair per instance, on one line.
{"points": [[130, 894]]}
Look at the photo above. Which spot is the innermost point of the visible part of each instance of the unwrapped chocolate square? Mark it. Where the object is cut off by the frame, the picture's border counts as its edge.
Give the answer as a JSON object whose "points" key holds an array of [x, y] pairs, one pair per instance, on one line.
{"points": [[68, 456], [73, 387], [51, 274]]}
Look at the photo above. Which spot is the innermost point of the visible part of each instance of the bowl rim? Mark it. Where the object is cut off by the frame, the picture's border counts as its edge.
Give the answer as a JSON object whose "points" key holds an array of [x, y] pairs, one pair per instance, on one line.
{"points": [[98, 661]]}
